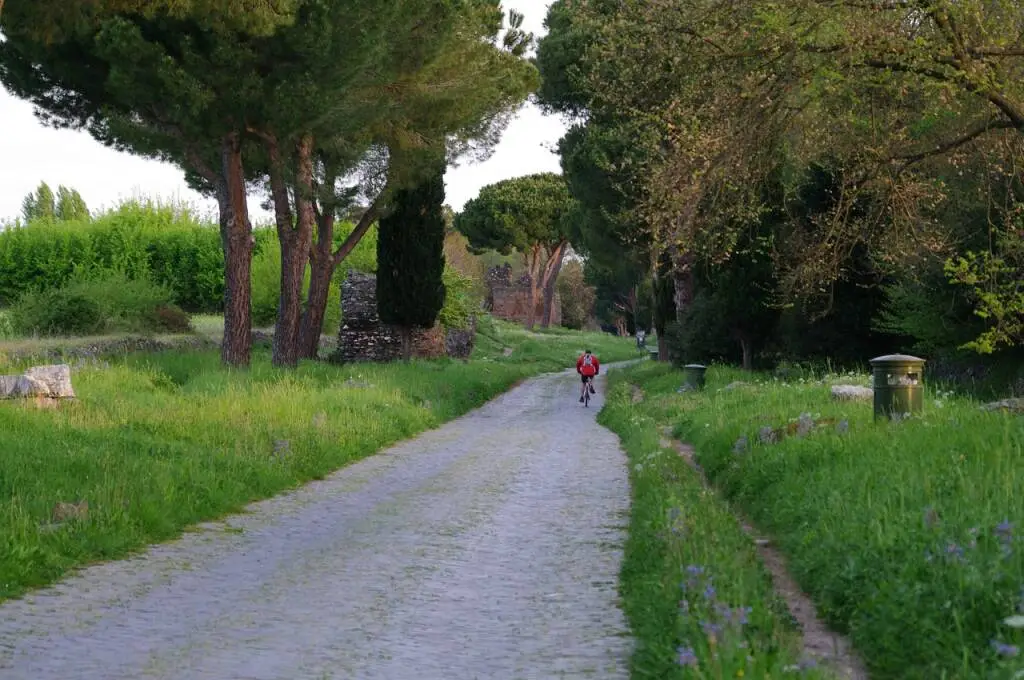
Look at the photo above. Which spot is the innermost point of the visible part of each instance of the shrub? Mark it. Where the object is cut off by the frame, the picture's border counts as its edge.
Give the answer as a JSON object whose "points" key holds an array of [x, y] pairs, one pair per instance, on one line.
{"points": [[166, 243], [99, 303], [462, 299]]}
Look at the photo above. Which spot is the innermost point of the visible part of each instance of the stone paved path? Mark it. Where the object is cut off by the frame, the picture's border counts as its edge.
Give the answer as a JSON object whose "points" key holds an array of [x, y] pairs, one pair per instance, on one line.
{"points": [[488, 548]]}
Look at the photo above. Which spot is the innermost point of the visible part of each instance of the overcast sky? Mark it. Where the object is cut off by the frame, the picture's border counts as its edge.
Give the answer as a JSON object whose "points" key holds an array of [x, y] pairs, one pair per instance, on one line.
{"points": [[31, 153]]}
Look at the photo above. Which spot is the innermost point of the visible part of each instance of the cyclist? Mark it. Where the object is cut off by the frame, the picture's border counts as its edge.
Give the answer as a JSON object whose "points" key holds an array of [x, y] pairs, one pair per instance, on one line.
{"points": [[587, 366]]}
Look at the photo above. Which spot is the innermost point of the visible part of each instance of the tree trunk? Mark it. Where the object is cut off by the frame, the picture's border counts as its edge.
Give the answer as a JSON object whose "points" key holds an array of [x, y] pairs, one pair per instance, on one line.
{"points": [[237, 240], [552, 269], [312, 323], [662, 347], [533, 268], [323, 264], [748, 353], [295, 237], [406, 343]]}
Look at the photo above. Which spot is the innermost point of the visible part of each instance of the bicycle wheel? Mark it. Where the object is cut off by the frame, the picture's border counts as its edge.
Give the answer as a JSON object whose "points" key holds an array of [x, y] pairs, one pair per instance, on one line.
{"points": [[586, 395]]}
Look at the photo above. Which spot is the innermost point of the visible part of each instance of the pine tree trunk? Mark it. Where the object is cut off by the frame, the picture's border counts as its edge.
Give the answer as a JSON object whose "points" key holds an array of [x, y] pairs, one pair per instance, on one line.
{"points": [[533, 268], [312, 322], [323, 264], [551, 271], [295, 242], [237, 240]]}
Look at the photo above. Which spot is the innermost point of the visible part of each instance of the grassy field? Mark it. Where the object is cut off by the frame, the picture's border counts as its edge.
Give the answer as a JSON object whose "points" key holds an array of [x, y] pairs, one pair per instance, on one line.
{"points": [[156, 442], [905, 534], [698, 600]]}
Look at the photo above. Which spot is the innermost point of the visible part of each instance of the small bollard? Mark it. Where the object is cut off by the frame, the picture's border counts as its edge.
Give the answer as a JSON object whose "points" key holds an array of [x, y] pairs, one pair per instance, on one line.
{"points": [[654, 353], [898, 385], [693, 376]]}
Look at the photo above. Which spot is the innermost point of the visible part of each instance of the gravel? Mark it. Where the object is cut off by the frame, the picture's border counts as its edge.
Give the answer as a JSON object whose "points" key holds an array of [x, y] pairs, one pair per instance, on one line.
{"points": [[487, 548]]}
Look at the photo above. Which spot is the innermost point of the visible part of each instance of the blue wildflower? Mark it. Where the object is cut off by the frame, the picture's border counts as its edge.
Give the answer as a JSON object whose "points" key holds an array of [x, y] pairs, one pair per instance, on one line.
{"points": [[1005, 650], [686, 657]]}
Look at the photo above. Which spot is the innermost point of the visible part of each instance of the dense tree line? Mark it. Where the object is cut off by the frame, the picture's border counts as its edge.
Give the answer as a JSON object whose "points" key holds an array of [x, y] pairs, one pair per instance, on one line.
{"points": [[799, 177]]}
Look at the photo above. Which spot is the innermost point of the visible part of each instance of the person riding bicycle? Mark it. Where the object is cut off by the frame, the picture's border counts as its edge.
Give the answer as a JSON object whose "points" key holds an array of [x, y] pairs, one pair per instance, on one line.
{"points": [[587, 366]]}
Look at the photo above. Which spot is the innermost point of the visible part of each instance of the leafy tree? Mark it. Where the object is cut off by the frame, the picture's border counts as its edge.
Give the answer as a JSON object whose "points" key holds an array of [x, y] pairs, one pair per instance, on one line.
{"points": [[530, 215], [39, 204], [410, 260], [461, 98], [577, 296], [71, 205]]}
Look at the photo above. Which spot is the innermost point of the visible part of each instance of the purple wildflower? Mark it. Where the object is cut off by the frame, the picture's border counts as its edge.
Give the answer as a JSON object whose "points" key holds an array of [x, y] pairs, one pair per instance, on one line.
{"points": [[742, 614], [686, 657], [1005, 650], [709, 592], [1004, 531], [710, 628], [694, 570]]}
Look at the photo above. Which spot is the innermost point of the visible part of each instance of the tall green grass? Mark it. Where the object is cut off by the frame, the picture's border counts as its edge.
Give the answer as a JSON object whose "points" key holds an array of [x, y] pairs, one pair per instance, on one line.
{"points": [[906, 534], [699, 602], [157, 442]]}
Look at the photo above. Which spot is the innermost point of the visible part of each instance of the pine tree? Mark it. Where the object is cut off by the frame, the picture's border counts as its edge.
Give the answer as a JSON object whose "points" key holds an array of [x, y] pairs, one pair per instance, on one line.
{"points": [[410, 259]]}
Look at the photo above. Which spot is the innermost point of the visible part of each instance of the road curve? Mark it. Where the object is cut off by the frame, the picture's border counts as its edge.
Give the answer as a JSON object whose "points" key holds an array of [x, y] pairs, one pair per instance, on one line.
{"points": [[488, 548]]}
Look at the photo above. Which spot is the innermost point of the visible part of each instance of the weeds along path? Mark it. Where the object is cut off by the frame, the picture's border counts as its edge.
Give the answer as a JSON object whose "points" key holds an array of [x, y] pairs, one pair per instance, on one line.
{"points": [[488, 548]]}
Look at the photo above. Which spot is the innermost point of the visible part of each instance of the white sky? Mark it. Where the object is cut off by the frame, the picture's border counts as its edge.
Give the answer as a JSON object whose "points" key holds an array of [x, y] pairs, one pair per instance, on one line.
{"points": [[31, 153]]}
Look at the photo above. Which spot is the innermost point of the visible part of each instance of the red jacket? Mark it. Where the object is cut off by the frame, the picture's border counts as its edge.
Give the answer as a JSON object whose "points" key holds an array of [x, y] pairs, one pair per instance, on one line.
{"points": [[593, 369]]}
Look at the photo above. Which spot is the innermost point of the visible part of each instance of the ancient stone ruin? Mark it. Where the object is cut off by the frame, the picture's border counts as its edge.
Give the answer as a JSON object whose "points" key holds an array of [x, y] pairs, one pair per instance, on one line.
{"points": [[510, 300], [46, 385], [363, 337]]}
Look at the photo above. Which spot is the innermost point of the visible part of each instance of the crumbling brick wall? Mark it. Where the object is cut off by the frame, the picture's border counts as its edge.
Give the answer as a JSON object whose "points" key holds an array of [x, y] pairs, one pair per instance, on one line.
{"points": [[510, 300], [363, 337]]}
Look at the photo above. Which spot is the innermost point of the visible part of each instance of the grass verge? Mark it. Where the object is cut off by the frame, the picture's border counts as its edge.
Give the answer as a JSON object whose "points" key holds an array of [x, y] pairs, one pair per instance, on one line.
{"points": [[903, 533], [157, 442], [699, 602]]}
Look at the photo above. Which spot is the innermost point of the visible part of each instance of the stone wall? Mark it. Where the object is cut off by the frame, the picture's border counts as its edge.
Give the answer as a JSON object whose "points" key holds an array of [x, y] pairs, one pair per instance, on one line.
{"points": [[363, 337], [513, 303], [510, 300]]}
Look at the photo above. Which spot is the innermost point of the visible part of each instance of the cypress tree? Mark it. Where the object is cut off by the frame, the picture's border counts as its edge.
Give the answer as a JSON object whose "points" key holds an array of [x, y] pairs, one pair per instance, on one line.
{"points": [[410, 259]]}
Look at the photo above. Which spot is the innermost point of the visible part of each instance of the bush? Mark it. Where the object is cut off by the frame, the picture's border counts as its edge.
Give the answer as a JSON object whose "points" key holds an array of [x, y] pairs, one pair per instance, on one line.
{"points": [[102, 303], [462, 299], [166, 243]]}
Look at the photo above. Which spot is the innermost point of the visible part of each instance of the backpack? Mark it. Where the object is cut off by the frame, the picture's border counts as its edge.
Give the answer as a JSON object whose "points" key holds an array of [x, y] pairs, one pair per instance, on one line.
{"points": [[588, 360]]}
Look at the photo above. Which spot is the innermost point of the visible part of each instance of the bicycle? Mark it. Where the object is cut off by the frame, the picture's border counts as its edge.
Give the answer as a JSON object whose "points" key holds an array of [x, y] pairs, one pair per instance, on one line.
{"points": [[586, 391]]}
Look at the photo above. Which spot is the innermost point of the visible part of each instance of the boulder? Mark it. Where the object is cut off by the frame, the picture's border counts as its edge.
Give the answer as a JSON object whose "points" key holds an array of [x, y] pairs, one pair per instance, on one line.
{"points": [[852, 393], [1015, 405], [50, 382]]}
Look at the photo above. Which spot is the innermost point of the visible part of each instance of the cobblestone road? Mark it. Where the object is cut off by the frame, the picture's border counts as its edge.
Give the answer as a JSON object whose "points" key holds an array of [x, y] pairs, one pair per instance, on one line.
{"points": [[488, 548]]}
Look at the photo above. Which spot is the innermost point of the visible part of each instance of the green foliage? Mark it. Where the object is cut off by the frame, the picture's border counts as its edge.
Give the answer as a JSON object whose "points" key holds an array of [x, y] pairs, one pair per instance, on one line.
{"points": [[996, 284], [410, 257], [577, 297], [39, 205], [101, 302], [70, 205], [905, 534], [680, 538], [521, 214], [461, 301], [165, 243], [266, 275], [159, 442]]}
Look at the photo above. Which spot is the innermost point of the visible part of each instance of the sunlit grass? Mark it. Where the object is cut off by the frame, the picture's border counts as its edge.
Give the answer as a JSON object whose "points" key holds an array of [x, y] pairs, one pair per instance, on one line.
{"points": [[157, 442], [904, 533], [699, 602]]}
